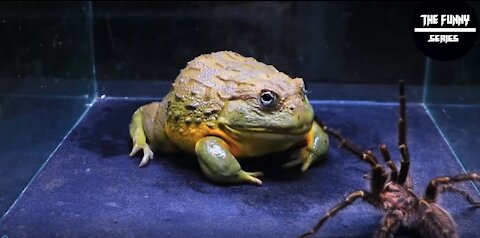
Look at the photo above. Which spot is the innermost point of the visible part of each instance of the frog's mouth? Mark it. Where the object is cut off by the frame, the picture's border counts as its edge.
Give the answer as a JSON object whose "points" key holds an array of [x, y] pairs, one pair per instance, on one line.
{"points": [[270, 132]]}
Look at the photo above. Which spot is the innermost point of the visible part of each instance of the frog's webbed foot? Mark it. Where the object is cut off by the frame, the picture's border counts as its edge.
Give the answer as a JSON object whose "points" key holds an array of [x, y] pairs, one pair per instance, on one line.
{"points": [[219, 165], [147, 153], [317, 146]]}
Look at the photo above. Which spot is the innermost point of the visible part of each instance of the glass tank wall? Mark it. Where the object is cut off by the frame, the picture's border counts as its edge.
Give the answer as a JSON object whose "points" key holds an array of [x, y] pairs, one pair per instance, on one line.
{"points": [[452, 95], [62, 61], [46, 84]]}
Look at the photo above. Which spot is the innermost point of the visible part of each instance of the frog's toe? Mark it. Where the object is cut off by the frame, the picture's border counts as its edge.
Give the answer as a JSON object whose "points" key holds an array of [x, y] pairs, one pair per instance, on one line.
{"points": [[147, 155], [135, 149], [255, 174], [251, 177], [304, 158], [307, 163], [292, 163]]}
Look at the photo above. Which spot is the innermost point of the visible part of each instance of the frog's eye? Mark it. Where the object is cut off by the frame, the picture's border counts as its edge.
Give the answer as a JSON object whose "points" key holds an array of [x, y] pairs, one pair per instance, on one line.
{"points": [[268, 99]]}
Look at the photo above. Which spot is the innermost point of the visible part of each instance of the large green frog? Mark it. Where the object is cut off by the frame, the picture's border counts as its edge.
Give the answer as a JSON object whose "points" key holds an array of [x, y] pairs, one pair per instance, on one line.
{"points": [[224, 107]]}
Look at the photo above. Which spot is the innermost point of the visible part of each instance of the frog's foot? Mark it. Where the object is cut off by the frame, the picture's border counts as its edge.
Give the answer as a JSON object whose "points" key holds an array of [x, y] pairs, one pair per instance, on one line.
{"points": [[139, 139], [304, 157], [219, 165], [317, 146], [147, 153]]}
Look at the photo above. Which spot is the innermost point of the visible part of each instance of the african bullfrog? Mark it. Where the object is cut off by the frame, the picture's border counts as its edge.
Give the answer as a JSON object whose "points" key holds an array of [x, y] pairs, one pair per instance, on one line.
{"points": [[223, 107]]}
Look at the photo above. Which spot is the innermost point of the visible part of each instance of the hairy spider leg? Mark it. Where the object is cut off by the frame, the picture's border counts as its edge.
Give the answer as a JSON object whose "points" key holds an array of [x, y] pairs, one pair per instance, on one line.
{"points": [[432, 188], [405, 165], [352, 197], [352, 148], [453, 189], [388, 160], [379, 177], [344, 143], [435, 222], [402, 122], [390, 224], [402, 136]]}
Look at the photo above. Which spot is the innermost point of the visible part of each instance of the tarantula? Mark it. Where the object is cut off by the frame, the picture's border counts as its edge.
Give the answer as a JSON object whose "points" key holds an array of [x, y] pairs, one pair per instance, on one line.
{"points": [[393, 192]]}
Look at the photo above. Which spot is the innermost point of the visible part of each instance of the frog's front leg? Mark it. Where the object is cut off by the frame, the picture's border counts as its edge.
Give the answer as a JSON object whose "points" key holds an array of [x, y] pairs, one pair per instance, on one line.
{"points": [[148, 126], [316, 148], [219, 165], [138, 136]]}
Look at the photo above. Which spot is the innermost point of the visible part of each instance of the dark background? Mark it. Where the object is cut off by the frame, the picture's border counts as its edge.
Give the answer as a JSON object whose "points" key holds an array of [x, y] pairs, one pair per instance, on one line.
{"points": [[322, 42], [329, 42]]}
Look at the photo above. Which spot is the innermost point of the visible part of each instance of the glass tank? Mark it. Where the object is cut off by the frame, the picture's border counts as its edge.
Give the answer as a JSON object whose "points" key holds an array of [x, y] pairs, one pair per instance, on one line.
{"points": [[73, 74], [47, 83], [452, 96]]}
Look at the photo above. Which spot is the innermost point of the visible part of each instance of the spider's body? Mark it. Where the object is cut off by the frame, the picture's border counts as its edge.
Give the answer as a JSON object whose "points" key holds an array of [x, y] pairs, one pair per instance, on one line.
{"points": [[406, 210], [397, 197], [393, 192]]}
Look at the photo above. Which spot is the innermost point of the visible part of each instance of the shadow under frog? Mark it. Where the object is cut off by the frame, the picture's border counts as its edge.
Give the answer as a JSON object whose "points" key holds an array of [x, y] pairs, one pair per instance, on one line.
{"points": [[100, 132]]}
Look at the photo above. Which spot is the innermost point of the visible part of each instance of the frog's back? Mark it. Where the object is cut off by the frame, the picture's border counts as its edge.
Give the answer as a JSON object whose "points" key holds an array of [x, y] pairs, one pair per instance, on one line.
{"points": [[222, 74]]}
